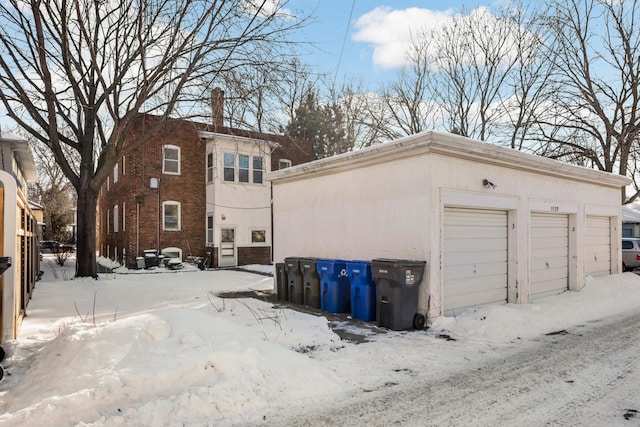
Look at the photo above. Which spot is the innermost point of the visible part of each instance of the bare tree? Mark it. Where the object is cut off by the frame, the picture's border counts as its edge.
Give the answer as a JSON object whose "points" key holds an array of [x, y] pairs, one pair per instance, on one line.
{"points": [[408, 99], [75, 74], [597, 74], [476, 58]]}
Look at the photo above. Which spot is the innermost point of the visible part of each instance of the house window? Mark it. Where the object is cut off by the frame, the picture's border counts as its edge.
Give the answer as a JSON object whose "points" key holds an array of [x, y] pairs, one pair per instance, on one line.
{"points": [[257, 170], [250, 169], [123, 166], [108, 178], [123, 215], [258, 236], [284, 163], [210, 167], [210, 230], [171, 216], [115, 173], [108, 221], [115, 219], [243, 168], [229, 167], [171, 160]]}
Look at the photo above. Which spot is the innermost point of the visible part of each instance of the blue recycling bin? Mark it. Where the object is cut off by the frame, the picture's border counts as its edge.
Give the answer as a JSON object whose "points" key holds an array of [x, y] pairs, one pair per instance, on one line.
{"points": [[334, 286], [363, 290]]}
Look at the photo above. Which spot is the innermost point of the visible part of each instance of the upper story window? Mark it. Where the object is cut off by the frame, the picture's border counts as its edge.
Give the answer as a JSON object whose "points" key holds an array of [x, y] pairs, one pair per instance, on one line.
{"points": [[229, 167], [243, 168], [210, 167], [171, 216], [257, 170], [171, 159], [284, 163], [249, 169], [115, 173]]}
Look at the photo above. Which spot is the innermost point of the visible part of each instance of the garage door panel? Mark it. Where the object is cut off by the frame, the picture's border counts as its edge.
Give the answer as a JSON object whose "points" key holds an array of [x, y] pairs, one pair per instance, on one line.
{"points": [[457, 302], [478, 286], [549, 255], [475, 245], [598, 246], [474, 257]]}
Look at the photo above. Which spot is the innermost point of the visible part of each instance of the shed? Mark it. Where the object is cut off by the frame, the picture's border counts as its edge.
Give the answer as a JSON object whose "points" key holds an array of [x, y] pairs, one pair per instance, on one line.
{"points": [[495, 225]]}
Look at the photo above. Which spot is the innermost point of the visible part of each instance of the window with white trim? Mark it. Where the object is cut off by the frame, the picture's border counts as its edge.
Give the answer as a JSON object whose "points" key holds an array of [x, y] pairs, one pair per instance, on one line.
{"points": [[123, 215], [210, 226], [243, 168], [124, 172], [248, 168], [171, 159], [229, 167], [115, 173], [108, 221], [171, 216], [115, 219], [258, 236], [210, 167], [284, 163], [257, 170]]}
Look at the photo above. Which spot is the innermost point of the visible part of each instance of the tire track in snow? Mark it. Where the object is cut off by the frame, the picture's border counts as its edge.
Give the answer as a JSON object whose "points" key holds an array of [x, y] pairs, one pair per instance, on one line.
{"points": [[587, 376]]}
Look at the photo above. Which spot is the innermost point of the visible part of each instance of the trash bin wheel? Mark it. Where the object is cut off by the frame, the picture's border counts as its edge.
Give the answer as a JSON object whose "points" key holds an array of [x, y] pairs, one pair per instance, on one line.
{"points": [[2, 353], [1, 372], [418, 321]]}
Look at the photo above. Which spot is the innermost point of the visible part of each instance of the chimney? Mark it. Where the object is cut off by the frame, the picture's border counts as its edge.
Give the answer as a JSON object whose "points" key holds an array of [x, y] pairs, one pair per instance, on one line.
{"points": [[217, 104]]}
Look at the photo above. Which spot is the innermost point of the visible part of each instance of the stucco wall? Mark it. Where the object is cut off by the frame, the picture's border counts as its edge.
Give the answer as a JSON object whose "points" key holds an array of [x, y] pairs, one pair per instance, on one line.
{"points": [[390, 202]]}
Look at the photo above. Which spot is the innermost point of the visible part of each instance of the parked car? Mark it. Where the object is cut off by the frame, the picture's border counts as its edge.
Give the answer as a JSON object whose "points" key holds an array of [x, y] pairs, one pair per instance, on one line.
{"points": [[49, 246], [630, 253]]}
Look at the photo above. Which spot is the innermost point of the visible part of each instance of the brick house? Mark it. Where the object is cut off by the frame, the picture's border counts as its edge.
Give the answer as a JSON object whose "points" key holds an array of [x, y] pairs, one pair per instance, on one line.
{"points": [[196, 188]]}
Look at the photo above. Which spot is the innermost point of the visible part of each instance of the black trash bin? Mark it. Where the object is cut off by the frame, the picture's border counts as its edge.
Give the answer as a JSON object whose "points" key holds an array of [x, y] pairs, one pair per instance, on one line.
{"points": [[281, 282], [150, 258], [295, 290], [397, 289], [311, 282]]}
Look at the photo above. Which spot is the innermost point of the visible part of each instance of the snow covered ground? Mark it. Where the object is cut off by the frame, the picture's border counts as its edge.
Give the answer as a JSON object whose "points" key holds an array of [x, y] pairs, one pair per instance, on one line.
{"points": [[163, 349]]}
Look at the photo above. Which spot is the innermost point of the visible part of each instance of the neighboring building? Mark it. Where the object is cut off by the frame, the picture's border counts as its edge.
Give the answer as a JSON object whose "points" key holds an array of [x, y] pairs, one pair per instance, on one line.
{"points": [[196, 189], [495, 225], [631, 220], [18, 233]]}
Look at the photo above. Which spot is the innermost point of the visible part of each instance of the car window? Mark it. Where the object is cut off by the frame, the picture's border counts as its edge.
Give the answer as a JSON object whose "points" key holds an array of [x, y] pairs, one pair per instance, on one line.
{"points": [[627, 244]]}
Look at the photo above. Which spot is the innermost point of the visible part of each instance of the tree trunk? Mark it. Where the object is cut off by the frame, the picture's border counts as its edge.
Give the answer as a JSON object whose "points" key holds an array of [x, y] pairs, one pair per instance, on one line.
{"points": [[86, 241]]}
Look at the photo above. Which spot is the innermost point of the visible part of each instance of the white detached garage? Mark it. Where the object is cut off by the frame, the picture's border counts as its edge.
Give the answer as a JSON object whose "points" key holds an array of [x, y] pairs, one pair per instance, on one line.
{"points": [[495, 225]]}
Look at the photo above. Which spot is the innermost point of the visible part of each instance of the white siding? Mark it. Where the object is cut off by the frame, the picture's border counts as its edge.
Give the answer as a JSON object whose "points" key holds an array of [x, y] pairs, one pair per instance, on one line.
{"points": [[475, 257]]}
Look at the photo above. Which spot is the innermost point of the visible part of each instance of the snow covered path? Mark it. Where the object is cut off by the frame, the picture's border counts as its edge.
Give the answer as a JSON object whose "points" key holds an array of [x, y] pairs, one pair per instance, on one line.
{"points": [[585, 376]]}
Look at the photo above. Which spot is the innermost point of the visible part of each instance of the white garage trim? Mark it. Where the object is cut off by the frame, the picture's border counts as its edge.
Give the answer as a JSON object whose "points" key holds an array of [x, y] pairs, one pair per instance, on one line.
{"points": [[475, 257], [549, 261], [598, 246]]}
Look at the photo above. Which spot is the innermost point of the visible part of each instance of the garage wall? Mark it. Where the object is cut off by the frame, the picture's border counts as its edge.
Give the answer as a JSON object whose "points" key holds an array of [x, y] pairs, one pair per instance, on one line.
{"points": [[364, 213], [390, 201]]}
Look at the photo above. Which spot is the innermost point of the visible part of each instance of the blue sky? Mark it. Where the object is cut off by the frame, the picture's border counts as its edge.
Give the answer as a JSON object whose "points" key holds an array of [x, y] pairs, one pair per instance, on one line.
{"points": [[375, 34]]}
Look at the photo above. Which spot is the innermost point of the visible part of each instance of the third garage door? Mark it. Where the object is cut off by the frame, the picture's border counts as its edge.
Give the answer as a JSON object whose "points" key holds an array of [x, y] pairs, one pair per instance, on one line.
{"points": [[549, 263], [475, 258]]}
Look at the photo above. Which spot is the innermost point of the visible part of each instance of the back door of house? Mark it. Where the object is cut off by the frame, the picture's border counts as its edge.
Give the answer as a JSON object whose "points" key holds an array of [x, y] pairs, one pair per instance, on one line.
{"points": [[227, 255]]}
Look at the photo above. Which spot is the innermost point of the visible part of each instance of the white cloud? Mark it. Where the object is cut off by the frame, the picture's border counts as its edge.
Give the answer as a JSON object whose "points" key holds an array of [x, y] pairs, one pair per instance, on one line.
{"points": [[268, 8], [389, 31]]}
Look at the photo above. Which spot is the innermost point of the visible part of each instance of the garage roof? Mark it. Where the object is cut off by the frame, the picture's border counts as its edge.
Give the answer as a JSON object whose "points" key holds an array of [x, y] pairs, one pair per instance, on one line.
{"points": [[451, 145]]}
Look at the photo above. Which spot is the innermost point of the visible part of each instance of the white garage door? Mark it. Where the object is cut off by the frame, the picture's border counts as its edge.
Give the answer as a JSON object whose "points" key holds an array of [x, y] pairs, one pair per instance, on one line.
{"points": [[598, 253], [475, 258], [549, 264]]}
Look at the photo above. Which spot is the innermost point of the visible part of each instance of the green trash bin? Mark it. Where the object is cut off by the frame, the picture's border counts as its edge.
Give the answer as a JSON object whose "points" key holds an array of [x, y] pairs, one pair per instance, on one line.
{"points": [[281, 282], [397, 290], [311, 281], [295, 291]]}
